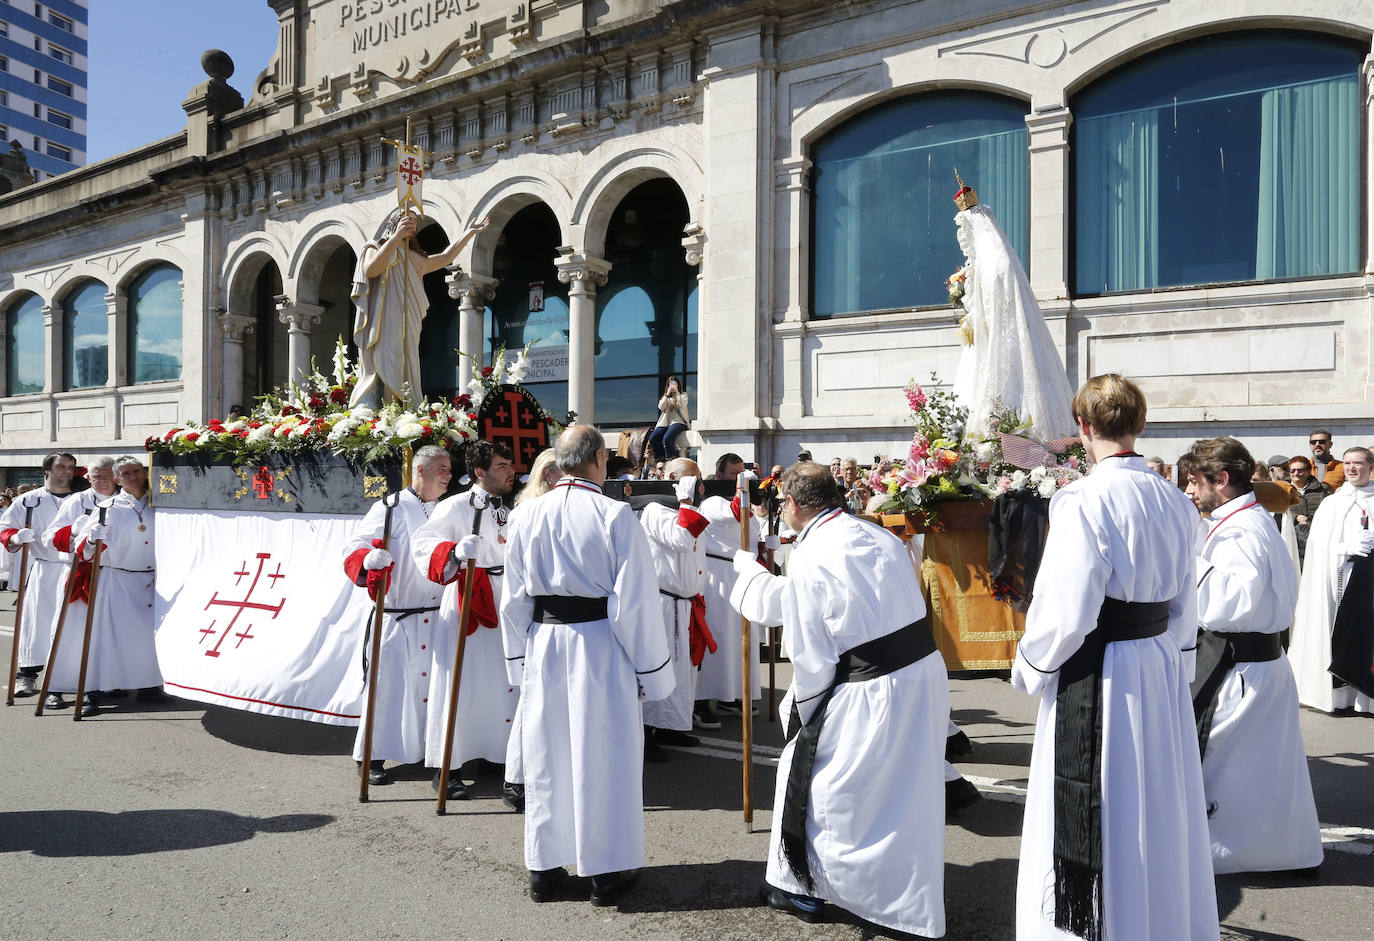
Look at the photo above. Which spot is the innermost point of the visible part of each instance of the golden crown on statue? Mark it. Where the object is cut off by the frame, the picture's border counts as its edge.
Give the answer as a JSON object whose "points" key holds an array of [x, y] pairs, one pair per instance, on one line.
{"points": [[967, 197]]}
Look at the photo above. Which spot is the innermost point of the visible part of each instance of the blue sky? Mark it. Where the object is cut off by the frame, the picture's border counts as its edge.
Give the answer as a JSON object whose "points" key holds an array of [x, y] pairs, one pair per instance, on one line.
{"points": [[145, 58]]}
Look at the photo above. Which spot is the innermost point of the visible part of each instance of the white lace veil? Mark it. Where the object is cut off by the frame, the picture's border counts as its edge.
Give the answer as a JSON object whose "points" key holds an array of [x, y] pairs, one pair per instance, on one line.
{"points": [[1012, 362]]}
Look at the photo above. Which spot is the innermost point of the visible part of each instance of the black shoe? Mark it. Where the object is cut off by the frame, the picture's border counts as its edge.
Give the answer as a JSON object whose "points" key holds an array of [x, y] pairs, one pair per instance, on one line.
{"points": [[457, 790], [491, 767], [674, 737], [957, 745], [153, 694], [54, 701], [653, 753], [804, 907], [91, 707], [959, 794], [513, 796], [377, 773], [117, 693], [549, 885], [1313, 873], [705, 717], [609, 886]]}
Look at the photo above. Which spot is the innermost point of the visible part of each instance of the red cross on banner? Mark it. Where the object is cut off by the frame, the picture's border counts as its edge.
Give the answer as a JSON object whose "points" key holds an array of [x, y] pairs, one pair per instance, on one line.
{"points": [[410, 177], [240, 606], [511, 416]]}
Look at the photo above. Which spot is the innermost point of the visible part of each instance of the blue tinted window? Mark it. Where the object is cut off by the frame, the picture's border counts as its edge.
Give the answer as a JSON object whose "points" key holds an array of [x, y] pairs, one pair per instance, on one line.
{"points": [[882, 223], [86, 337], [155, 325], [1230, 158], [24, 352]]}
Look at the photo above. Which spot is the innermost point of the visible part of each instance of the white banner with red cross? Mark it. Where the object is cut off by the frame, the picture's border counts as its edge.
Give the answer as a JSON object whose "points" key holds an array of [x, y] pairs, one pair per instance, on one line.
{"points": [[410, 178], [254, 612]]}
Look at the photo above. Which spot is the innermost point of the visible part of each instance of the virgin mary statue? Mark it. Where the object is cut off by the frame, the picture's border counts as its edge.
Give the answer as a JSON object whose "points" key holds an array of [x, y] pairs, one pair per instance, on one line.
{"points": [[1011, 361]]}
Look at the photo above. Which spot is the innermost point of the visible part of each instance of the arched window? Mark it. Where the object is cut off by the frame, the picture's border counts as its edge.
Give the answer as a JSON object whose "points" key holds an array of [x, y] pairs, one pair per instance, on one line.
{"points": [[85, 337], [24, 346], [1235, 157], [882, 211], [155, 325]]}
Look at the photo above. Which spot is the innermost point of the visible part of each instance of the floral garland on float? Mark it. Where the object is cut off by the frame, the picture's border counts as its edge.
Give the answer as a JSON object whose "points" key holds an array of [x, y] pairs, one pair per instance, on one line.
{"points": [[314, 416], [945, 464]]}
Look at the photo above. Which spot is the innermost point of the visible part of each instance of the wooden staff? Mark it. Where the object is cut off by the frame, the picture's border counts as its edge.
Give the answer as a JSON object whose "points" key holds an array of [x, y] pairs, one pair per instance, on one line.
{"points": [[19, 600], [464, 615], [90, 617], [747, 694], [57, 636], [374, 664]]}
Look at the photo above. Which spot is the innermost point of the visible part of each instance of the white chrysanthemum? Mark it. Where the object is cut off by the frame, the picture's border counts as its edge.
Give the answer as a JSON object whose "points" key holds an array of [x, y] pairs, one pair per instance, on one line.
{"points": [[363, 413], [409, 429], [1047, 487], [985, 452], [1037, 474], [260, 434], [1018, 480]]}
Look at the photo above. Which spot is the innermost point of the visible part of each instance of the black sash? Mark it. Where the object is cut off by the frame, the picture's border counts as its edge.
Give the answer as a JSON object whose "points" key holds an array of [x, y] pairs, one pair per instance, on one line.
{"points": [[879, 657], [1078, 764], [496, 571], [407, 612], [664, 591], [719, 558], [568, 609], [1352, 642], [1217, 653]]}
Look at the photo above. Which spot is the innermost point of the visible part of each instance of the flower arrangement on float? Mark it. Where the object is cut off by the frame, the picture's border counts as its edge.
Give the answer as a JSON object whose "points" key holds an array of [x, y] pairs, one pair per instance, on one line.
{"points": [[944, 464], [315, 415]]}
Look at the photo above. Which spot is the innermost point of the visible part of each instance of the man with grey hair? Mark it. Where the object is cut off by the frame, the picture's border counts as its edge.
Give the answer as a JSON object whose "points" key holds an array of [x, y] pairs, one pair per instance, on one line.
{"points": [[583, 627], [410, 616], [122, 653], [858, 813], [680, 563], [65, 659]]}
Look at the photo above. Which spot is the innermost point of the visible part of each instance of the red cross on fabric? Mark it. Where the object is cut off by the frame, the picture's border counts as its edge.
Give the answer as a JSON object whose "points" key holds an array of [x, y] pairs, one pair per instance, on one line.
{"points": [[262, 482], [411, 171], [241, 606], [525, 430]]}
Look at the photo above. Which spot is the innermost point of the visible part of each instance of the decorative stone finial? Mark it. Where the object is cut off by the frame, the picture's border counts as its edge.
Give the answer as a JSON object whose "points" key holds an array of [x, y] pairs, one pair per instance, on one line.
{"points": [[217, 64]]}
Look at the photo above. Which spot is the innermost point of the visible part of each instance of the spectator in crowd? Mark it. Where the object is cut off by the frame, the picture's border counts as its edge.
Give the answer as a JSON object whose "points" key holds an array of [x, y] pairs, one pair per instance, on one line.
{"points": [[619, 468], [672, 420], [835, 465], [1326, 467], [728, 466], [803, 455], [1157, 465], [1278, 467], [1311, 492]]}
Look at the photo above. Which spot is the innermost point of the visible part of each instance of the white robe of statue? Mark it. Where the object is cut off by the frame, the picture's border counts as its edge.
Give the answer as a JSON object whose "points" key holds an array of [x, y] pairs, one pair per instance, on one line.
{"points": [[1012, 362], [388, 313]]}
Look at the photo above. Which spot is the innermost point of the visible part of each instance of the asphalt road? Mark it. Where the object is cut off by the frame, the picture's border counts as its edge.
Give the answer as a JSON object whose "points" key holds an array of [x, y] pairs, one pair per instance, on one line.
{"points": [[183, 821]]}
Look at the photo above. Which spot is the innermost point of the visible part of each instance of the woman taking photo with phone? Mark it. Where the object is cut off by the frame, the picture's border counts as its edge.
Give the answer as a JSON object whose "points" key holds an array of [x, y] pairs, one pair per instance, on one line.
{"points": [[672, 420]]}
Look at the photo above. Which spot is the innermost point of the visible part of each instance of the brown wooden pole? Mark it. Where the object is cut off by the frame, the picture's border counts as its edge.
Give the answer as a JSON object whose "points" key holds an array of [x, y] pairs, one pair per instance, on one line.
{"points": [[464, 615], [90, 616], [374, 663], [57, 635], [19, 603], [746, 700]]}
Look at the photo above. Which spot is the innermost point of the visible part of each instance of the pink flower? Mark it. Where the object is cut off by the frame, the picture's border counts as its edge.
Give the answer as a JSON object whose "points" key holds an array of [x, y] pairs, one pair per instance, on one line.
{"points": [[1073, 461], [920, 448], [915, 397], [1003, 484]]}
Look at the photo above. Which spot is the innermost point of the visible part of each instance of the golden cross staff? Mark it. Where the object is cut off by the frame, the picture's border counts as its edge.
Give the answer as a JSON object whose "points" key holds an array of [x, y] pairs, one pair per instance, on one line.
{"points": [[410, 177]]}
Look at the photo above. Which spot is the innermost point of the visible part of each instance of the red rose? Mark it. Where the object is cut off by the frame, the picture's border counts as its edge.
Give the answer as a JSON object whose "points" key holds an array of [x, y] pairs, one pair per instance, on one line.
{"points": [[149, 442], [486, 371], [463, 401], [255, 424], [168, 435], [338, 395], [290, 410], [192, 435], [472, 416], [462, 432], [426, 432]]}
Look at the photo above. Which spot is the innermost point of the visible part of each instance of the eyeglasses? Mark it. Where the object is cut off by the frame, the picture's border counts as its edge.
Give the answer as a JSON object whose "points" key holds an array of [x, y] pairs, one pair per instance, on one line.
{"points": [[1318, 440]]}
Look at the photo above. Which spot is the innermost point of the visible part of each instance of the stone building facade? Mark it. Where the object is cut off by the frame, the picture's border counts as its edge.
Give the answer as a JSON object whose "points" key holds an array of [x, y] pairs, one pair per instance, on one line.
{"points": [[752, 195]]}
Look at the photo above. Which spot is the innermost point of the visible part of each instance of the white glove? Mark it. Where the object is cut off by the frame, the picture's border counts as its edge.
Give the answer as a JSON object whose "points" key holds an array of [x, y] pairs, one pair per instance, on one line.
{"points": [[376, 560], [747, 474], [746, 563], [772, 542], [22, 538], [466, 548], [686, 489], [1359, 547], [96, 531]]}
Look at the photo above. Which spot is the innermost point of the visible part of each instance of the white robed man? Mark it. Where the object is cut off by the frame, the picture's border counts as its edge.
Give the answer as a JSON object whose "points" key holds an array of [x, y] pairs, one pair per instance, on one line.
{"points": [[410, 618], [1336, 590], [66, 656], [721, 678], [465, 526], [1114, 841], [858, 816], [22, 522], [680, 562], [122, 654], [390, 307], [1260, 809], [583, 623]]}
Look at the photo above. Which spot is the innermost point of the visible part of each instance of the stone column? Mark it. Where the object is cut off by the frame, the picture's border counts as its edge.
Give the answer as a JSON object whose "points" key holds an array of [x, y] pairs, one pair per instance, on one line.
{"points": [[233, 327], [117, 337], [52, 349], [471, 291], [583, 274], [299, 319], [1048, 124], [4, 356]]}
